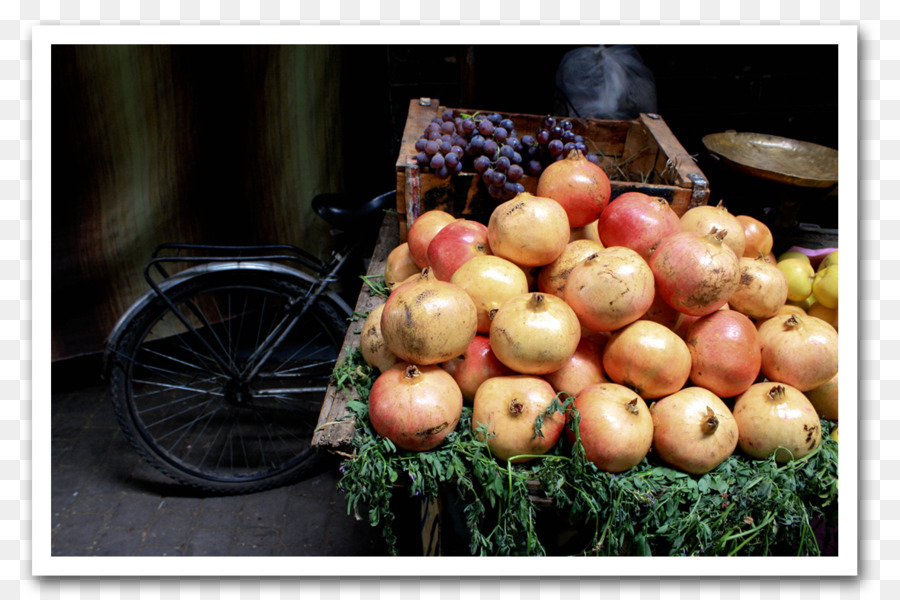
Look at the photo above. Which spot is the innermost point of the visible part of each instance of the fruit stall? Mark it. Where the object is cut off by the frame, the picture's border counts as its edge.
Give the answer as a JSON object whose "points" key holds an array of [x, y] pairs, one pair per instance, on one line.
{"points": [[565, 347]]}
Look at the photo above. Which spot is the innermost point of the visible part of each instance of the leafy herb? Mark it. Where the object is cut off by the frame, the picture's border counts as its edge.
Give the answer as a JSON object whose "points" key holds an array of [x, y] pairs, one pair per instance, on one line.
{"points": [[743, 507], [376, 285]]}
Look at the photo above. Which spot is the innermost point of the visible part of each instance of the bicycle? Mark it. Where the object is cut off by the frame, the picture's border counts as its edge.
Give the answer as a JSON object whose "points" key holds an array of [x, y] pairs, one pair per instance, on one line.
{"points": [[217, 374]]}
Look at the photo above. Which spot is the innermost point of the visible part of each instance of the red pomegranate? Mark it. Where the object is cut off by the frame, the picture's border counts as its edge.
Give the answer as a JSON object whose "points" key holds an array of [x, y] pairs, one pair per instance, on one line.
{"points": [[638, 221]]}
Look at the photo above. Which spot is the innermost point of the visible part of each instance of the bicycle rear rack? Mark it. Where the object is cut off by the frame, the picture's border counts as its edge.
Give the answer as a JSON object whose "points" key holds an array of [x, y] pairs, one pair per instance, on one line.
{"points": [[206, 253]]}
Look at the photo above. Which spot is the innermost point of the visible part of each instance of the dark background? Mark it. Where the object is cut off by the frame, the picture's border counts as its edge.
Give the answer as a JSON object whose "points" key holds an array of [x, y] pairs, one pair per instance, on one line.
{"points": [[790, 91], [216, 100]]}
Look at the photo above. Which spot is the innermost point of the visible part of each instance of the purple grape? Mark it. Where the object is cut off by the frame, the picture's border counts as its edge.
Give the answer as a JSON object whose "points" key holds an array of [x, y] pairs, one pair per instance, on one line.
{"points": [[500, 134], [445, 147], [556, 132], [555, 147], [502, 164], [534, 167], [423, 159], [442, 173], [507, 151], [447, 115], [468, 125], [498, 178], [506, 124], [437, 161], [543, 137], [420, 144], [481, 163], [487, 175], [514, 173], [432, 147], [528, 141], [490, 148], [495, 118], [486, 128], [451, 159], [549, 122], [448, 127]]}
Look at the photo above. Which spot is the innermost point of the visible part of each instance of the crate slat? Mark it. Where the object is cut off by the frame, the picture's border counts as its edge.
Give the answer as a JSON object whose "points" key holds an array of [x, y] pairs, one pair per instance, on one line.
{"points": [[335, 428]]}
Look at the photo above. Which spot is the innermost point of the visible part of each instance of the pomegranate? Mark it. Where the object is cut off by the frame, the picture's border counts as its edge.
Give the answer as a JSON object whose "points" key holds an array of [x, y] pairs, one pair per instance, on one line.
{"points": [[423, 230], [371, 343], [610, 289], [534, 333], [725, 352], [531, 231], [490, 281], [785, 310], [475, 366], [762, 288], [615, 426], [580, 186], [585, 232], [638, 221], [662, 313], [800, 351], [757, 236], [399, 266], [776, 417], [825, 399], [415, 407], [552, 278], [426, 321], [649, 358], [702, 219], [693, 430], [456, 244], [583, 369], [694, 273], [508, 406]]}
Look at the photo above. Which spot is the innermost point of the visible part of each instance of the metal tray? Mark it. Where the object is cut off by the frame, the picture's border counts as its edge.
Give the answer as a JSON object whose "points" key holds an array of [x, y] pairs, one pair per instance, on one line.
{"points": [[775, 158]]}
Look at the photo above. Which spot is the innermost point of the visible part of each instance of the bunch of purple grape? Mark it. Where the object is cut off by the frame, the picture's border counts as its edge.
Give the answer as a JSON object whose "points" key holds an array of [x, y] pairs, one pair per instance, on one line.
{"points": [[489, 145]]}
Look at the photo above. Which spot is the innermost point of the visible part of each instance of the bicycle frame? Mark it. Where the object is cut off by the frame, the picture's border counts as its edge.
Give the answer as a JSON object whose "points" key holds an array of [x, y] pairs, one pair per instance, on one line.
{"points": [[317, 286]]}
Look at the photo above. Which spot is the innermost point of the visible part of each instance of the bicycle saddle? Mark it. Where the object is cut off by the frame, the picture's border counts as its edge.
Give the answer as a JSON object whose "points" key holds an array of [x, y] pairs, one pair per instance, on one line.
{"points": [[344, 212]]}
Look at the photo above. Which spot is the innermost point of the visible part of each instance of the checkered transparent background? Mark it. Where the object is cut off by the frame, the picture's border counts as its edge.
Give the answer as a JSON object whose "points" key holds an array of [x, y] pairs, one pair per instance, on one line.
{"points": [[879, 290]]}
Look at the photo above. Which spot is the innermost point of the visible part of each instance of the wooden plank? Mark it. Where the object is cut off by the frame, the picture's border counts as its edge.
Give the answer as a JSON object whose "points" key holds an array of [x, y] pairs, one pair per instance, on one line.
{"points": [[335, 428], [686, 172]]}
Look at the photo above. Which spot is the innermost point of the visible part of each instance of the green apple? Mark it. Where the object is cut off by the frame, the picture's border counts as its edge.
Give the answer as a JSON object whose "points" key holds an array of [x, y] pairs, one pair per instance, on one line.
{"points": [[800, 276], [825, 286], [831, 259]]}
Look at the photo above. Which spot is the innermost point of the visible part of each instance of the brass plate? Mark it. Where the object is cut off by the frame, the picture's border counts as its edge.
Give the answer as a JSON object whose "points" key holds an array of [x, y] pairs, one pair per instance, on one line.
{"points": [[775, 158]]}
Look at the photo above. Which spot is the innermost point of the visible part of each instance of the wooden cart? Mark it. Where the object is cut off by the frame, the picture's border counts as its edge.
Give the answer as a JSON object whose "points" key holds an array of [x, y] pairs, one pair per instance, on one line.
{"points": [[644, 152]]}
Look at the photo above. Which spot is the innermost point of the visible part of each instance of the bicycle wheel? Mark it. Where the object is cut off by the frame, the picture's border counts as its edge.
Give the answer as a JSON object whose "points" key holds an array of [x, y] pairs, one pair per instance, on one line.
{"points": [[187, 399]]}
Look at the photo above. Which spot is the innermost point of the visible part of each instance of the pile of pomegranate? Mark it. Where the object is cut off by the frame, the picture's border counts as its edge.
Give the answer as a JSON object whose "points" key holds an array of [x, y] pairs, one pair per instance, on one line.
{"points": [[671, 333]]}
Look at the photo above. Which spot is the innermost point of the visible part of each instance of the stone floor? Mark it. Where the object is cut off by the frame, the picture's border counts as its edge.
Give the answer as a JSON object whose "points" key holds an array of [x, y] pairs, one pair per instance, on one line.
{"points": [[107, 502]]}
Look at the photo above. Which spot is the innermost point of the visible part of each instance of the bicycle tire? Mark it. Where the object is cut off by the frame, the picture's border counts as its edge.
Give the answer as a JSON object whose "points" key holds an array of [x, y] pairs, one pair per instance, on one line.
{"points": [[202, 427]]}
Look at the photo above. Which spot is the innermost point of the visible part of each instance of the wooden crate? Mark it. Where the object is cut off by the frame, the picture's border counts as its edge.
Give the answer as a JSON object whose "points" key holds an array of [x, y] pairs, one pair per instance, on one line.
{"points": [[640, 155]]}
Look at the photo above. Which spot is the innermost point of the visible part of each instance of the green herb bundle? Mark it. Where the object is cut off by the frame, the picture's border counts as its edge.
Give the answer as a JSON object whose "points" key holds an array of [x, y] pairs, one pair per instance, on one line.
{"points": [[562, 504]]}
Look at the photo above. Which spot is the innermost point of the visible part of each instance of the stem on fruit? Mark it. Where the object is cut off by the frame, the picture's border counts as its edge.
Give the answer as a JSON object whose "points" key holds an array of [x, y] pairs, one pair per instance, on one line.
{"points": [[776, 392], [711, 422], [631, 406]]}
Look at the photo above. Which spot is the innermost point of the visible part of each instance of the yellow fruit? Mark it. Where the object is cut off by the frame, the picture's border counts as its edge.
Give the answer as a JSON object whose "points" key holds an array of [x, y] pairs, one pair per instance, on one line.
{"points": [[834, 433], [792, 254], [829, 315], [805, 304], [800, 276], [825, 286], [831, 259]]}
